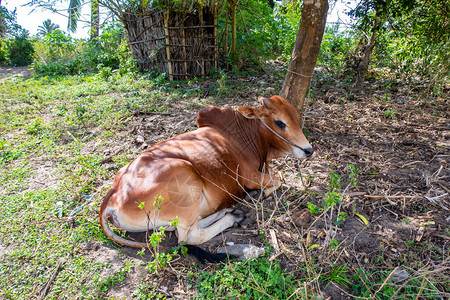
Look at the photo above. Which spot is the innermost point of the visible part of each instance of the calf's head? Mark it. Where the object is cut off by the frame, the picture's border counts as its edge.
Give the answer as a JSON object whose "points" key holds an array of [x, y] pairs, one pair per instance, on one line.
{"points": [[280, 120]]}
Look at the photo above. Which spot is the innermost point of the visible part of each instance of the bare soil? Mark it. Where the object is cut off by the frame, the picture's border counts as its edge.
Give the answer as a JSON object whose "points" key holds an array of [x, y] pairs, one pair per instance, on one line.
{"points": [[14, 71]]}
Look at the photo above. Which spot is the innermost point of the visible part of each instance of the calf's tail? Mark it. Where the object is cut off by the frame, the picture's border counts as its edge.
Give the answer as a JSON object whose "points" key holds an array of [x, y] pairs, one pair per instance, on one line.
{"points": [[200, 254], [108, 231]]}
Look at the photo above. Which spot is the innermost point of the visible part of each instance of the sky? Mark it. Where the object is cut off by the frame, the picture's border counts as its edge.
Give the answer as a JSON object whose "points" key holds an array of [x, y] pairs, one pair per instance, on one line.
{"points": [[31, 18]]}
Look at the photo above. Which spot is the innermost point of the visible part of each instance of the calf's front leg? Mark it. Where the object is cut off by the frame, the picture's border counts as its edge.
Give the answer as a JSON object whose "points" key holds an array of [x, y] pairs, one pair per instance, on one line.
{"points": [[267, 182]]}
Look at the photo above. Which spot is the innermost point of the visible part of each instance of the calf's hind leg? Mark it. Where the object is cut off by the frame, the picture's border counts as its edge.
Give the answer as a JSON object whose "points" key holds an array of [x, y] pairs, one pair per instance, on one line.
{"points": [[195, 235], [205, 222]]}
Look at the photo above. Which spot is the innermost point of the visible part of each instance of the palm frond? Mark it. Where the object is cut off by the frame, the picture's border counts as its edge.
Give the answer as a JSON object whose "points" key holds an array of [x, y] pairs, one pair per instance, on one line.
{"points": [[47, 27], [74, 11]]}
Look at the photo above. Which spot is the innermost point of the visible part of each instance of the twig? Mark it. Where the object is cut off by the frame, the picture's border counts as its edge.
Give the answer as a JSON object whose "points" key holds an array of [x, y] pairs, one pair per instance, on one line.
{"points": [[72, 136], [274, 240], [386, 280], [441, 235], [139, 112], [44, 291], [445, 188], [390, 197]]}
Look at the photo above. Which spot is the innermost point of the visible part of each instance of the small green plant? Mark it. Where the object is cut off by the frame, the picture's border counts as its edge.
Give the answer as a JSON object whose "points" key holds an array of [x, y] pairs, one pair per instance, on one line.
{"points": [[161, 259], [341, 218], [353, 173], [313, 208], [104, 71], [337, 275], [35, 127], [249, 279], [391, 113], [160, 80], [115, 278], [222, 81], [409, 243], [333, 245], [7, 152], [333, 201]]}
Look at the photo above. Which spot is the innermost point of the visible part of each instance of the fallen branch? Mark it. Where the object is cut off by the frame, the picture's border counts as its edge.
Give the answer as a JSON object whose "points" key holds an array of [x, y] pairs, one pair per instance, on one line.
{"points": [[391, 197], [274, 241], [139, 112], [44, 291], [447, 237]]}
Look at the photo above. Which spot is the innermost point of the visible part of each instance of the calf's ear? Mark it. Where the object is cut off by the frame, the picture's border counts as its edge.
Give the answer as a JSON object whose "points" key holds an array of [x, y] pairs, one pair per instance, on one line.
{"points": [[248, 112], [264, 101]]}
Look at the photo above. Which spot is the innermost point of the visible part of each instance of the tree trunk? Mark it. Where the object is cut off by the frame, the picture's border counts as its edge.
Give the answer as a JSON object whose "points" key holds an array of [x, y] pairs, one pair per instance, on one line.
{"points": [[95, 18], [304, 55], [233, 4], [2, 26], [363, 64]]}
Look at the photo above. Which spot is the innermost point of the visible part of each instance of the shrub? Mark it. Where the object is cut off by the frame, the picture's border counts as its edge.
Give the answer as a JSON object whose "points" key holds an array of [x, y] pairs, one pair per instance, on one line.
{"points": [[58, 54], [4, 52], [17, 51], [21, 51], [335, 47]]}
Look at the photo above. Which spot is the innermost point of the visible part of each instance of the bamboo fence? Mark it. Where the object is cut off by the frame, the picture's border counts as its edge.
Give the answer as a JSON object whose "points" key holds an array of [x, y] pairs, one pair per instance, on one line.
{"points": [[181, 42]]}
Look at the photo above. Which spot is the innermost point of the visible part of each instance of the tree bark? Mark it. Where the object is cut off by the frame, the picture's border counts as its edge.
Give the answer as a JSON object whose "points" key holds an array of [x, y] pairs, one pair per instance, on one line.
{"points": [[233, 4], [363, 64], [304, 55], [95, 18]]}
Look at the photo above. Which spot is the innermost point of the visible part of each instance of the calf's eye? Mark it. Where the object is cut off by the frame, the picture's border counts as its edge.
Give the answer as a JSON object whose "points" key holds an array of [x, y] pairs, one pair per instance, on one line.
{"points": [[280, 124]]}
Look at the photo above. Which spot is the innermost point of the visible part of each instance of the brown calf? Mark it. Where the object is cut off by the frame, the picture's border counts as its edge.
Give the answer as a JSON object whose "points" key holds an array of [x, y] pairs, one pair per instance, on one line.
{"points": [[198, 173]]}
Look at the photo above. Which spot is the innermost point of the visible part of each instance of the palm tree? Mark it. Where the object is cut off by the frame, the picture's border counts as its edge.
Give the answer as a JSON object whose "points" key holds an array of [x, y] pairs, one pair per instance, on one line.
{"points": [[75, 12], [47, 27]]}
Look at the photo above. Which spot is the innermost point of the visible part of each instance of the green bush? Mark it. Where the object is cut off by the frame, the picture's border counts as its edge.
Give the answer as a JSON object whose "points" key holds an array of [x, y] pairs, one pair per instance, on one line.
{"points": [[21, 51], [17, 51], [58, 54], [72, 66], [4, 52], [335, 47]]}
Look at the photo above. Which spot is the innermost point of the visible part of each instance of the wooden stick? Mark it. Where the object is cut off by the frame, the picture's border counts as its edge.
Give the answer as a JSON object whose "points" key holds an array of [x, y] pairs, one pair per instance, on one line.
{"points": [[274, 240], [166, 30], [391, 197], [447, 237], [200, 16], [183, 38], [44, 291], [216, 41]]}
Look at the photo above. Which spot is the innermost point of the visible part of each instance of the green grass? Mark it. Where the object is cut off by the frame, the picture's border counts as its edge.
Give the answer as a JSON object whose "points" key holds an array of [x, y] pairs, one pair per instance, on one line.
{"points": [[250, 279], [60, 123]]}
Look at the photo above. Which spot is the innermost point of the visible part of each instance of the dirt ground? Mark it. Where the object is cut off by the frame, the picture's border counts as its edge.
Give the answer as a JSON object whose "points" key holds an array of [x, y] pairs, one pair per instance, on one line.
{"points": [[14, 71], [399, 143]]}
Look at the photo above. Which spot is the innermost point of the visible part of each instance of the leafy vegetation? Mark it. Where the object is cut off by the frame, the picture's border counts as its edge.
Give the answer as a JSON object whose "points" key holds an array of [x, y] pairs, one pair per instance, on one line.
{"points": [[250, 279], [59, 54], [15, 47]]}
